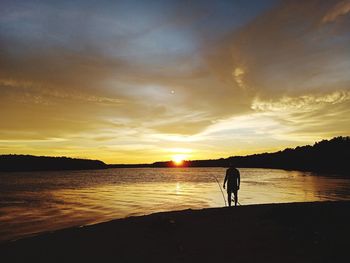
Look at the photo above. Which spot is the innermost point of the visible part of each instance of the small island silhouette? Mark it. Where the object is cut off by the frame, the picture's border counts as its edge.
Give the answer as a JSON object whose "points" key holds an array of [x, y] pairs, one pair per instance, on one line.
{"points": [[21, 163]]}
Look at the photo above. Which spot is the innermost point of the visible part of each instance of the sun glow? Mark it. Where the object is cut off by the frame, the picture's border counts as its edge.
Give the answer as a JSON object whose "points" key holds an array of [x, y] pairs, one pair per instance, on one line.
{"points": [[178, 159]]}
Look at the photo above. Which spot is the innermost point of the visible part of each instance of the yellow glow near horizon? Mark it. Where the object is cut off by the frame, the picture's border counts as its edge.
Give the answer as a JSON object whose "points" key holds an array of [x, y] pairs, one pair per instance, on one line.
{"points": [[178, 159]]}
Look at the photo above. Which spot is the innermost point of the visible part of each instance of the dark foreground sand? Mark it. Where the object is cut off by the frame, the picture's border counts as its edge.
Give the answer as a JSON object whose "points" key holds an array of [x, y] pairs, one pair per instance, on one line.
{"points": [[296, 232]]}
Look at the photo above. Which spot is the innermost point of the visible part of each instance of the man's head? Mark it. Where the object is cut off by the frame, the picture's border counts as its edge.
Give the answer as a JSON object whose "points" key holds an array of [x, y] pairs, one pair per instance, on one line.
{"points": [[231, 165]]}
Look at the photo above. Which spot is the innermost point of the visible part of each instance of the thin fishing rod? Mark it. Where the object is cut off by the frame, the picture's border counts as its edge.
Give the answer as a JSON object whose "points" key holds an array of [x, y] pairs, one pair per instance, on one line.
{"points": [[223, 196]]}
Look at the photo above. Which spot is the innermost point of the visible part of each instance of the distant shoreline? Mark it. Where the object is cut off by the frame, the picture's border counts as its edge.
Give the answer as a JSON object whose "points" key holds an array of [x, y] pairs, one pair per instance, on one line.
{"points": [[30, 163], [327, 156], [296, 232]]}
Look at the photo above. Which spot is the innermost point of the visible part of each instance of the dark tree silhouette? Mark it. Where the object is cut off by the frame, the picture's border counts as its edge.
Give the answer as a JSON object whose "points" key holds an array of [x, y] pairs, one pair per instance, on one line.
{"points": [[331, 156], [43, 163]]}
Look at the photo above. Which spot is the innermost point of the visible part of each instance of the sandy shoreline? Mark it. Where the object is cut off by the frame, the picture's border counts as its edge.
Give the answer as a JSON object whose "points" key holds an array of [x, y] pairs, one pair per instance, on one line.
{"points": [[295, 232]]}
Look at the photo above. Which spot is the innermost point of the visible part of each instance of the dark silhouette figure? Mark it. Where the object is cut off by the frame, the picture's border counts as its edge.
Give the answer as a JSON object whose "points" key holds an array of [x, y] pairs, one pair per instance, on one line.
{"points": [[233, 180]]}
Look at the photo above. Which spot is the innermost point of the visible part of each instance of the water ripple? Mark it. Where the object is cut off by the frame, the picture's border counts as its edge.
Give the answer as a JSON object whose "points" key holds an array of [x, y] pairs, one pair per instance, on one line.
{"points": [[45, 201]]}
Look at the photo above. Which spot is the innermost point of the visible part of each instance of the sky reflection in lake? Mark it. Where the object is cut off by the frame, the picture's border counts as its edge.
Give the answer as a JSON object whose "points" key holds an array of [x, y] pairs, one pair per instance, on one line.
{"points": [[44, 201]]}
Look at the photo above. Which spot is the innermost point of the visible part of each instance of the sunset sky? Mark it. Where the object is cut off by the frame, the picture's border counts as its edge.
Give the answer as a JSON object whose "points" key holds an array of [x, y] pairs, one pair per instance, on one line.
{"points": [[144, 81]]}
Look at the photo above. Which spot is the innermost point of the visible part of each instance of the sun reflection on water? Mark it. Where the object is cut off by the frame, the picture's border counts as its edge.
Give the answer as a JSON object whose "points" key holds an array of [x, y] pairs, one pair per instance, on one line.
{"points": [[178, 188]]}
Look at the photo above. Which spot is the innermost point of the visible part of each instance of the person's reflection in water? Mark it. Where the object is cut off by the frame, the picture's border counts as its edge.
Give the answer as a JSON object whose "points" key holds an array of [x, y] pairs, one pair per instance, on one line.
{"points": [[233, 180]]}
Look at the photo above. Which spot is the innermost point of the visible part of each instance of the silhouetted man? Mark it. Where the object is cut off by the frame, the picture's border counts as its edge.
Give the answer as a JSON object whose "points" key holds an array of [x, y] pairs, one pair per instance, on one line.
{"points": [[233, 180]]}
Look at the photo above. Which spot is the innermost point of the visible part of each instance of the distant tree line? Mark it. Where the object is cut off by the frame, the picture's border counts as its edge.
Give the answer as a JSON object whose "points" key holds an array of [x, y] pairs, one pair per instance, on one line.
{"points": [[329, 156], [324, 156], [18, 163]]}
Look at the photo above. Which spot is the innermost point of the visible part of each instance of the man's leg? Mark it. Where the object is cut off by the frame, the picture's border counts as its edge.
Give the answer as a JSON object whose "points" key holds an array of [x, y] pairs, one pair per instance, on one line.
{"points": [[235, 193], [229, 197]]}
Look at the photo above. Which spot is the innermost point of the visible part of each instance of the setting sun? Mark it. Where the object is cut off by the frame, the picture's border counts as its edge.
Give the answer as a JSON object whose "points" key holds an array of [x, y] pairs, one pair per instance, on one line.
{"points": [[178, 159]]}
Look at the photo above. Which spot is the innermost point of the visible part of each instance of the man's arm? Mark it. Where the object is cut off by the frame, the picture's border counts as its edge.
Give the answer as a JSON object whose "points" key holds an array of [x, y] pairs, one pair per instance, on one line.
{"points": [[239, 179], [225, 178]]}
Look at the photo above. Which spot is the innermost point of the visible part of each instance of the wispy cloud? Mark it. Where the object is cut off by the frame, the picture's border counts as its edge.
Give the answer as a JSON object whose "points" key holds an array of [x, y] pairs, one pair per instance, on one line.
{"points": [[340, 9]]}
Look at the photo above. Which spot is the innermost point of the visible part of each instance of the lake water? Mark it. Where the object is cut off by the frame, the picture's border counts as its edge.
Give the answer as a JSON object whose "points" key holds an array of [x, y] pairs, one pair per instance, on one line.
{"points": [[34, 202]]}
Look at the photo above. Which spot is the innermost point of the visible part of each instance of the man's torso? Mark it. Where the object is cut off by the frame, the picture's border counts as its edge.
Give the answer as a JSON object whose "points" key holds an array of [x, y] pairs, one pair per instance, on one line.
{"points": [[232, 178]]}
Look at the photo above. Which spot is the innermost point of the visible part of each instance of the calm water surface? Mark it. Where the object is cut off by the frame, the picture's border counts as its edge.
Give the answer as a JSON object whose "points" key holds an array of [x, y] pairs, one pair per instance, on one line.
{"points": [[43, 201]]}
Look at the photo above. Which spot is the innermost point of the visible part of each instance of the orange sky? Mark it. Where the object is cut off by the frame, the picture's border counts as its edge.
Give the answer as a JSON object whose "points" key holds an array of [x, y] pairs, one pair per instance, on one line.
{"points": [[126, 82]]}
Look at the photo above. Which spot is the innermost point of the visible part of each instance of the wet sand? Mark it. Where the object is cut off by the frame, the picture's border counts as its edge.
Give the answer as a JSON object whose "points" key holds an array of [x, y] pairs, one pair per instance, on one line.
{"points": [[295, 232]]}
